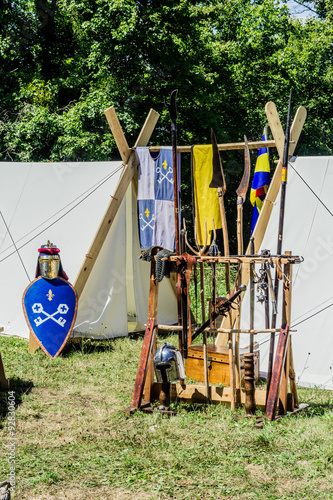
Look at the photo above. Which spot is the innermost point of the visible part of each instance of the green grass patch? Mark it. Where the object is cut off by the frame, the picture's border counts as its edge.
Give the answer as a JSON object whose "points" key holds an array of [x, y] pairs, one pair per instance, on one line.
{"points": [[74, 439]]}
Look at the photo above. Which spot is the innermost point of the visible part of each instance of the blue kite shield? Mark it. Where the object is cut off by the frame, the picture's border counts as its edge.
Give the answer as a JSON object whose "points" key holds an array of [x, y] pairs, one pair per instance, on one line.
{"points": [[50, 310]]}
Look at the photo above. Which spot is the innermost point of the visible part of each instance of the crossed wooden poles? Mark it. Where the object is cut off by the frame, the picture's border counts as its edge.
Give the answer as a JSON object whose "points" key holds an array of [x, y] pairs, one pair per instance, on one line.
{"points": [[144, 383], [283, 369]]}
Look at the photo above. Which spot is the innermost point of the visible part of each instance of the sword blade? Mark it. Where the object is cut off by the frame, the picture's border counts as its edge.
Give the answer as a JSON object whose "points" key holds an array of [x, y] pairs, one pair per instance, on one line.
{"points": [[244, 184]]}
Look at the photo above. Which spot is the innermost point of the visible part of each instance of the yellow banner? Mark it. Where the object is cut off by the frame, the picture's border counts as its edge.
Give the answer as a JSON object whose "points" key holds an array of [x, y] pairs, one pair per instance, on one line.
{"points": [[206, 199]]}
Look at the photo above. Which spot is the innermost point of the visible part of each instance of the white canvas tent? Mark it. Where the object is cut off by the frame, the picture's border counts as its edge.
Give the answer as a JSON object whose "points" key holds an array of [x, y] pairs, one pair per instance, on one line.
{"points": [[308, 232], [65, 203]]}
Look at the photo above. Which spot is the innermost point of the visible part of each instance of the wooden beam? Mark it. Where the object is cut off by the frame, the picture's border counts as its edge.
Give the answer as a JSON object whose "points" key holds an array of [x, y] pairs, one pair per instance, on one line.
{"points": [[226, 147], [286, 316], [145, 374], [278, 368], [265, 213], [118, 134], [275, 126], [33, 344], [111, 212], [195, 393]]}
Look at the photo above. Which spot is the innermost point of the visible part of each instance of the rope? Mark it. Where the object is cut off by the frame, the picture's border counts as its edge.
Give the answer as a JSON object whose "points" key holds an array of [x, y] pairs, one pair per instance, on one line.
{"points": [[18, 253], [18, 202], [312, 191], [300, 322], [98, 184], [62, 216]]}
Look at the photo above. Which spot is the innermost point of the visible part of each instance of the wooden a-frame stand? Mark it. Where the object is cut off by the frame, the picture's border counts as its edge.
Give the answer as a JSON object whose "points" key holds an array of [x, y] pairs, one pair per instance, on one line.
{"points": [[130, 168], [283, 369]]}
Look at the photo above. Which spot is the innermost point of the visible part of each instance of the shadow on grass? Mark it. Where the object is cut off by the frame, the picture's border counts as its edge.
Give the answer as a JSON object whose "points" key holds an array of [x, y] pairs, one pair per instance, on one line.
{"points": [[17, 388], [87, 346]]}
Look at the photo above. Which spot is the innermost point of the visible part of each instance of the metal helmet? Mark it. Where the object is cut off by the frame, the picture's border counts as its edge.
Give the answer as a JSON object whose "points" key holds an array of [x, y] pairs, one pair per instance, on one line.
{"points": [[168, 363], [49, 261]]}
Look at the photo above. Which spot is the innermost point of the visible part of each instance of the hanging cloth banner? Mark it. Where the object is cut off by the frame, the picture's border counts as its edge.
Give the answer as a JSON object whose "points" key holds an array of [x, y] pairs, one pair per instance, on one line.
{"points": [[155, 198], [205, 198], [260, 183]]}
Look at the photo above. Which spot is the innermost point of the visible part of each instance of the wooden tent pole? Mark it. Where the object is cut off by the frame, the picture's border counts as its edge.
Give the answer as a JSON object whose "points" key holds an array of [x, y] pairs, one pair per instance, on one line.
{"points": [[124, 181], [261, 226], [128, 157]]}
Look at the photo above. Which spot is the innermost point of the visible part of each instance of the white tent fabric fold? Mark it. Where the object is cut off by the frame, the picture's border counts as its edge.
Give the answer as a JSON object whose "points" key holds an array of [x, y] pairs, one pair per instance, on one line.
{"points": [[308, 232], [65, 203]]}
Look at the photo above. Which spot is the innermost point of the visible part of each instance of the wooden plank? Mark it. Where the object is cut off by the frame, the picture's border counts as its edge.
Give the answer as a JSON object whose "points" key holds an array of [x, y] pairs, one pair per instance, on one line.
{"points": [[275, 126], [265, 213], [118, 134], [226, 147], [292, 376], [33, 344], [145, 375], [286, 313], [111, 212], [194, 393], [274, 388]]}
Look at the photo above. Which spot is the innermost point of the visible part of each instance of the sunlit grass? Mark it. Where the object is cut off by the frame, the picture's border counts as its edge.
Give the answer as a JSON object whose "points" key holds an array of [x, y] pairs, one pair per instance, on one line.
{"points": [[75, 441]]}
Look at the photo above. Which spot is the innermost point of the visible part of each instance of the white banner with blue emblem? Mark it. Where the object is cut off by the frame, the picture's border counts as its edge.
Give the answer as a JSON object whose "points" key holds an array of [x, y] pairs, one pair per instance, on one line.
{"points": [[156, 198]]}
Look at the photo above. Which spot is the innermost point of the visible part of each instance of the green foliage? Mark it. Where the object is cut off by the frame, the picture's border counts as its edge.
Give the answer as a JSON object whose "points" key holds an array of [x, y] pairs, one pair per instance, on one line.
{"points": [[73, 435], [63, 62]]}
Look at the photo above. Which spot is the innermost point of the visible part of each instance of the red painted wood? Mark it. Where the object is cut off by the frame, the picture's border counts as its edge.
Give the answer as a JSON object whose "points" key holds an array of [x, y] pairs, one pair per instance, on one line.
{"points": [[280, 357]]}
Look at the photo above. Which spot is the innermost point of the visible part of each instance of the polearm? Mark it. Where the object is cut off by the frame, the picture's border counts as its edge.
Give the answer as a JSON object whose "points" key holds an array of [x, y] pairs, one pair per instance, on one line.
{"points": [[173, 116], [280, 235], [241, 197], [172, 107], [218, 182]]}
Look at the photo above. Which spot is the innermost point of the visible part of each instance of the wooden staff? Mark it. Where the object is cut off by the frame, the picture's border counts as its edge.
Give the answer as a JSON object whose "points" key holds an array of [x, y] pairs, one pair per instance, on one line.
{"points": [[280, 236], [173, 116], [218, 182], [251, 293], [241, 197]]}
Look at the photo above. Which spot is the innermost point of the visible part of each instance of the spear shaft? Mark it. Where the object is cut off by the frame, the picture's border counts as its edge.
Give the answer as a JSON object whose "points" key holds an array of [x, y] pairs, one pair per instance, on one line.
{"points": [[285, 160]]}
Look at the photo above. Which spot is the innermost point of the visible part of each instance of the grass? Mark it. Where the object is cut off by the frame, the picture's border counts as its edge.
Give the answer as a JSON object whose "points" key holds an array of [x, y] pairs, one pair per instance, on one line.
{"points": [[75, 441], [207, 286]]}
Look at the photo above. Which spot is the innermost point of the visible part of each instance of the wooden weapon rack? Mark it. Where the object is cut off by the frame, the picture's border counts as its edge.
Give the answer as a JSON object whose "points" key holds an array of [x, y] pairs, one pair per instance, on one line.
{"points": [[281, 394], [146, 390]]}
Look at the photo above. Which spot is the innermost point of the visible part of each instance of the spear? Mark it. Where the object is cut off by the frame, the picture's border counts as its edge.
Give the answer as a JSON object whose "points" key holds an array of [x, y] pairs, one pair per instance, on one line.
{"points": [[172, 107], [280, 235], [219, 183], [173, 116], [241, 197]]}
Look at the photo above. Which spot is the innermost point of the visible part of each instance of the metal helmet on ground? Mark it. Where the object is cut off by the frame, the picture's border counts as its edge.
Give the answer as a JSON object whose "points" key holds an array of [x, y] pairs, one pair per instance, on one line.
{"points": [[168, 363]]}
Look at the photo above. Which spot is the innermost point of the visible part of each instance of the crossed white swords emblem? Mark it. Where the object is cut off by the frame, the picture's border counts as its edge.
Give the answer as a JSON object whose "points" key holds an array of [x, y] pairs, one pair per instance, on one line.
{"points": [[38, 308], [164, 176]]}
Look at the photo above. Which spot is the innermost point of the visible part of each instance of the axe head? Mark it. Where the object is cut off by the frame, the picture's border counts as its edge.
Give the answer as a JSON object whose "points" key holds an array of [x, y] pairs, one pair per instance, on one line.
{"points": [[218, 177], [242, 188]]}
